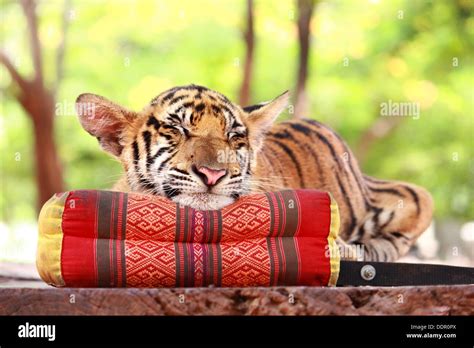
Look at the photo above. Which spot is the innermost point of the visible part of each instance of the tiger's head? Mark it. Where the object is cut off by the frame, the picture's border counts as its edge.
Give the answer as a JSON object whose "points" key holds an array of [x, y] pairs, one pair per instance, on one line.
{"points": [[190, 144]]}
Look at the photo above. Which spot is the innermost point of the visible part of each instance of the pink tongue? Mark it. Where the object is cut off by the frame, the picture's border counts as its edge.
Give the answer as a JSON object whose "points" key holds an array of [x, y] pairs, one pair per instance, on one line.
{"points": [[212, 175]]}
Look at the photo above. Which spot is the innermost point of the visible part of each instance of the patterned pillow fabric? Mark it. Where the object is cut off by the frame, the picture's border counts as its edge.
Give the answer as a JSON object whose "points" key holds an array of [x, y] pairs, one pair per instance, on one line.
{"points": [[115, 239]]}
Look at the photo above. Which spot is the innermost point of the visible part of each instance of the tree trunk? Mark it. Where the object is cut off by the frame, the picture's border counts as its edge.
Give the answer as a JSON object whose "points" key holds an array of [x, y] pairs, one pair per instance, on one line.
{"points": [[245, 89], [305, 12], [38, 102], [48, 168]]}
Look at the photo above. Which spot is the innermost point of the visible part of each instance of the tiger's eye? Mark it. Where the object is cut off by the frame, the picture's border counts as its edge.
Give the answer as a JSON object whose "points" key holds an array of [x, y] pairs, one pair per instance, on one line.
{"points": [[176, 132], [237, 141]]}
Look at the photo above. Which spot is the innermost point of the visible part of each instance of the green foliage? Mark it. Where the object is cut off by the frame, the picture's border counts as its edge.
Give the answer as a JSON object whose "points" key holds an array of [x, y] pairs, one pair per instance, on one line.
{"points": [[130, 51]]}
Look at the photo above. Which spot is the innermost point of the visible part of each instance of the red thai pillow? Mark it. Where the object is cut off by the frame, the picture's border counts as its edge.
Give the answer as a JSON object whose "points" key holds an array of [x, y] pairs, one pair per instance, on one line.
{"points": [[115, 239]]}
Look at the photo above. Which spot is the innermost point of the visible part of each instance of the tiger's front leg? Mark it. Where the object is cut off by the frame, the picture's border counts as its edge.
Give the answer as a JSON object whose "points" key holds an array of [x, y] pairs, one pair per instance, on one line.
{"points": [[401, 213]]}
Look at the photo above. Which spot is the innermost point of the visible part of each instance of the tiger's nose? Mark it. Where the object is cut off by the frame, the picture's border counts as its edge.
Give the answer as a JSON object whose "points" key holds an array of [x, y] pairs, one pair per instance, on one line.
{"points": [[210, 176]]}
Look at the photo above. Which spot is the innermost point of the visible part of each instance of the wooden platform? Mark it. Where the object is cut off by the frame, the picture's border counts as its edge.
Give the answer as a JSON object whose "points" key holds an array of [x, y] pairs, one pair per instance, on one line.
{"points": [[23, 293], [429, 300]]}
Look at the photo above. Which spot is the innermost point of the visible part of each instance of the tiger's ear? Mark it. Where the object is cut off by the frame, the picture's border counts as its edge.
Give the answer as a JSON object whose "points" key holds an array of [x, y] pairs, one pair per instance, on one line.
{"points": [[104, 119], [260, 117]]}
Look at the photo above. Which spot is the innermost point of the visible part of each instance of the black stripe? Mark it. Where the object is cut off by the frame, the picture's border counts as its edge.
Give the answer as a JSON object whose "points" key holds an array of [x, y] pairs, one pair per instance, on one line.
{"points": [[236, 124], [376, 253], [331, 149], [312, 122], [388, 237], [152, 121], [376, 181], [318, 165], [159, 152], [180, 170], [199, 107], [169, 191], [177, 99], [281, 135], [360, 233], [166, 136], [227, 116], [415, 198], [390, 218], [168, 96], [352, 224], [375, 218], [147, 139], [142, 180], [169, 127], [136, 154], [387, 190], [226, 108], [144, 183], [216, 109], [307, 131], [223, 98], [175, 117], [393, 243], [191, 120], [400, 235], [302, 129], [360, 185], [253, 107], [294, 160], [162, 165], [277, 168], [193, 87]]}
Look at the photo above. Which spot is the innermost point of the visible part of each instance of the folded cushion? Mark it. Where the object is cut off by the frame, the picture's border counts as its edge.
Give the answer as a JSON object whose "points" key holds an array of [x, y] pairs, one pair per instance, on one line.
{"points": [[115, 239]]}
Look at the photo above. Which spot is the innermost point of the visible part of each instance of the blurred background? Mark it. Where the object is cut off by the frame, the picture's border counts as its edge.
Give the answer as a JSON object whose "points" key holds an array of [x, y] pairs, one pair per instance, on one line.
{"points": [[343, 60]]}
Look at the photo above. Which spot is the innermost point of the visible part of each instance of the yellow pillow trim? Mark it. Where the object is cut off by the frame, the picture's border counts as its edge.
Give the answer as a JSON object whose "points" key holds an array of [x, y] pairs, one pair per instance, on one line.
{"points": [[332, 245], [50, 240]]}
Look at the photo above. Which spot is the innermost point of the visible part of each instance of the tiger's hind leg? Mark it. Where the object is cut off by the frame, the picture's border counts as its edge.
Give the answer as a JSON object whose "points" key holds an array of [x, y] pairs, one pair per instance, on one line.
{"points": [[400, 213]]}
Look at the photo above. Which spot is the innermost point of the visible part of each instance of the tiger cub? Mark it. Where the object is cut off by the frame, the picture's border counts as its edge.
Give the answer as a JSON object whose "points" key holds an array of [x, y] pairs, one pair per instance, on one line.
{"points": [[196, 147]]}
